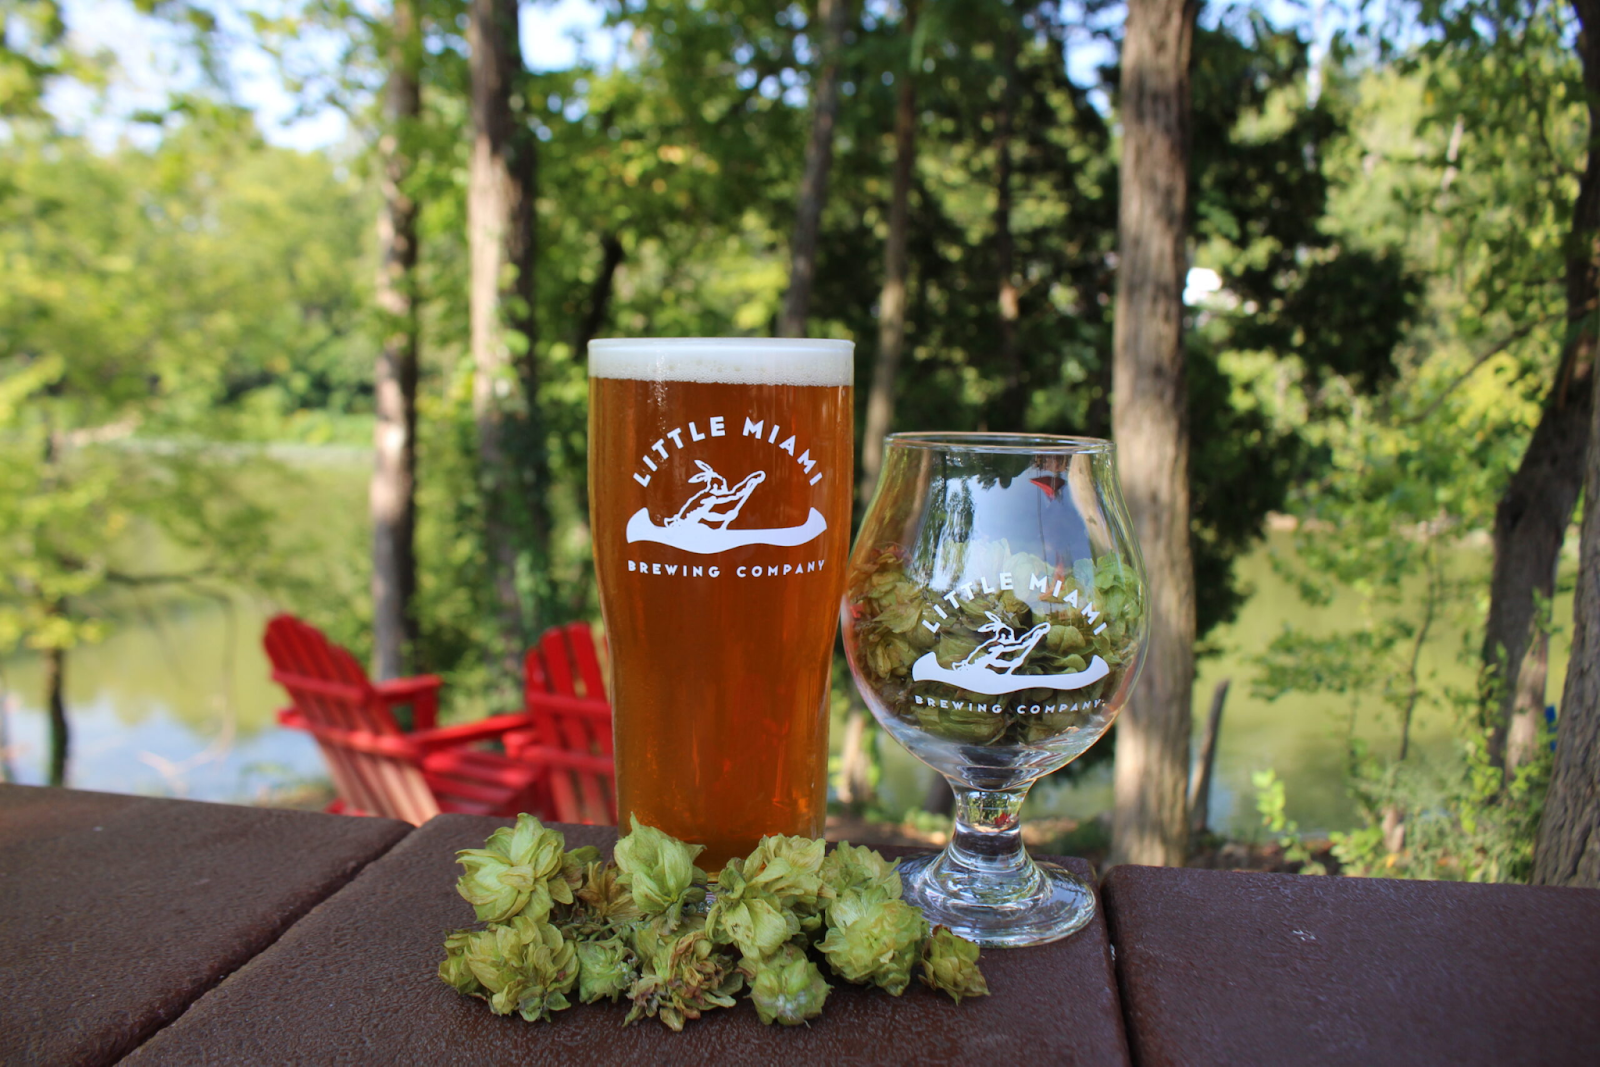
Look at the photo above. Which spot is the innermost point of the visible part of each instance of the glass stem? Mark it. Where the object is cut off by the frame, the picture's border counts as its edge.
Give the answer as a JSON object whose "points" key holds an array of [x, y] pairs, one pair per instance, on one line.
{"points": [[988, 830]]}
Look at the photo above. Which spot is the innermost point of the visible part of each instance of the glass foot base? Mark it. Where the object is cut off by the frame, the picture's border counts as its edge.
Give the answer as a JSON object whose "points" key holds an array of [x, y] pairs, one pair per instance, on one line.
{"points": [[1032, 905]]}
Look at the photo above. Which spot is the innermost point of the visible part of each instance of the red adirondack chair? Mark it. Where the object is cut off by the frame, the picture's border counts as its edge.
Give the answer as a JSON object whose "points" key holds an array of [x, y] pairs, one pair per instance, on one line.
{"points": [[380, 769], [565, 695]]}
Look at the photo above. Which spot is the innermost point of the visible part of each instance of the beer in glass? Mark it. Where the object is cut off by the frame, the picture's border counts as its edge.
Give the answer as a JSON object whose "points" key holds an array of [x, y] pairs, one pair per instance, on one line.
{"points": [[719, 494]]}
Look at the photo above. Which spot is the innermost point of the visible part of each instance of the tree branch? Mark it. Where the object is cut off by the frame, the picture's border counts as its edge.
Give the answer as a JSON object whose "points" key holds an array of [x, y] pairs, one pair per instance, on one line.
{"points": [[1489, 353], [611, 256], [123, 578]]}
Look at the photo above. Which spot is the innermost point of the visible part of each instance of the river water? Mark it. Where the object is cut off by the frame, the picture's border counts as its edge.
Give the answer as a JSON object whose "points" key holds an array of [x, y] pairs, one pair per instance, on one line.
{"points": [[176, 701]]}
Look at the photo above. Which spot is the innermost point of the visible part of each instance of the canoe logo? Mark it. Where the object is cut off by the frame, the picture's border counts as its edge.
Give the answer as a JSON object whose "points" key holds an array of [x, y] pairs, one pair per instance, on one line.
{"points": [[990, 667], [701, 525]]}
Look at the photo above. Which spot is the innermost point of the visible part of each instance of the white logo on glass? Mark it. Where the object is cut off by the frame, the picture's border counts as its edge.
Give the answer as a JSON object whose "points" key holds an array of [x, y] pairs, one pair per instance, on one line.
{"points": [[989, 668], [701, 525]]}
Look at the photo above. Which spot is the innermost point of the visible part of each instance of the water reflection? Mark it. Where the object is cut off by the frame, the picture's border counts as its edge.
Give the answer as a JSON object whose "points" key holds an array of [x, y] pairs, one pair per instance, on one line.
{"points": [[176, 704]]}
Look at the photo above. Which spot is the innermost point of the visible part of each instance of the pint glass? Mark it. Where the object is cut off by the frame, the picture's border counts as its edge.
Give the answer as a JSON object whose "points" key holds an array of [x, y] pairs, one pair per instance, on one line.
{"points": [[719, 496]]}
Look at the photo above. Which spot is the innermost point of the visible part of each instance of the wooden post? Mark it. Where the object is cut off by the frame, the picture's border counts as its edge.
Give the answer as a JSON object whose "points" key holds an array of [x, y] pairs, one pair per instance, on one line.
{"points": [[1200, 780], [55, 692]]}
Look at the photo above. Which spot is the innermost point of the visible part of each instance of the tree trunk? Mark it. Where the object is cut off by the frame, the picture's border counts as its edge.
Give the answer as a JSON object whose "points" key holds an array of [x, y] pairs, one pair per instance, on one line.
{"points": [[594, 320], [393, 492], [1568, 852], [500, 223], [855, 785], [891, 340], [892, 300], [1150, 423], [832, 16], [1008, 405], [55, 690], [1531, 519]]}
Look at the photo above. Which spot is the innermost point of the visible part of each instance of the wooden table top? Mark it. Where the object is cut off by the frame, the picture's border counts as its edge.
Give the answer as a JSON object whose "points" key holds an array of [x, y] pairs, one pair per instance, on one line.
{"points": [[1230, 967], [118, 912], [358, 977], [204, 933]]}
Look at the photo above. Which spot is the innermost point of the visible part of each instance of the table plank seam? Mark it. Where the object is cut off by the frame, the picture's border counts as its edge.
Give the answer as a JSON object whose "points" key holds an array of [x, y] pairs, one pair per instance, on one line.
{"points": [[290, 920], [1130, 1027]]}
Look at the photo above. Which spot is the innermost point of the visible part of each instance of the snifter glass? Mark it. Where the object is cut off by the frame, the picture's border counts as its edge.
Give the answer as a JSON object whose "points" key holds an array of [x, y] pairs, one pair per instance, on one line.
{"points": [[994, 617]]}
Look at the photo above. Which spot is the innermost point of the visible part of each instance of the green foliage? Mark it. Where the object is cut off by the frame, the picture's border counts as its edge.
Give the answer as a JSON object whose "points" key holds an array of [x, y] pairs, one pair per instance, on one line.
{"points": [[681, 164], [1271, 802], [1261, 195], [1505, 71], [1467, 151], [129, 327], [164, 309], [1301, 300], [33, 53], [1387, 527], [1463, 821], [1389, 250]]}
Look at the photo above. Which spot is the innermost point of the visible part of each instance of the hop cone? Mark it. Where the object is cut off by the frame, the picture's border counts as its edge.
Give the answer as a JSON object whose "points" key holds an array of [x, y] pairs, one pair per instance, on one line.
{"points": [[873, 940], [602, 897], [858, 867], [659, 871], [575, 864], [681, 979], [454, 971], [749, 915], [525, 967], [950, 963], [605, 969], [786, 988], [790, 868], [517, 872]]}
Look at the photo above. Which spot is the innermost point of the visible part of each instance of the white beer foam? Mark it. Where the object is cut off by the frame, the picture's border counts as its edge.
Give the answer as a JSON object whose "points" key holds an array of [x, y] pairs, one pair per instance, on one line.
{"points": [[725, 360]]}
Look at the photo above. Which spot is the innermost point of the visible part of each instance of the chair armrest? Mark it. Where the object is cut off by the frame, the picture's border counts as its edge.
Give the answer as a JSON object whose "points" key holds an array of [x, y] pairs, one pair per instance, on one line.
{"points": [[544, 755], [364, 741], [293, 718], [406, 688], [420, 691], [587, 707], [483, 730]]}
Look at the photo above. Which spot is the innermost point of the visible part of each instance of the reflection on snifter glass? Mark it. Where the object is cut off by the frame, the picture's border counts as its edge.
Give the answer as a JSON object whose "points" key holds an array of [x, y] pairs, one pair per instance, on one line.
{"points": [[720, 484], [994, 617]]}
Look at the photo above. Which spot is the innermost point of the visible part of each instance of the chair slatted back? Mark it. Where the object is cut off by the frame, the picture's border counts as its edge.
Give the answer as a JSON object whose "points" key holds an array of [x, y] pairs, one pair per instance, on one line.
{"points": [[329, 688], [564, 689]]}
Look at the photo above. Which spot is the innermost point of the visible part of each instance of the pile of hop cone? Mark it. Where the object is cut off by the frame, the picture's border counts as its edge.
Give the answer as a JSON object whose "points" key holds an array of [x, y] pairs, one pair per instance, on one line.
{"points": [[560, 925]]}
